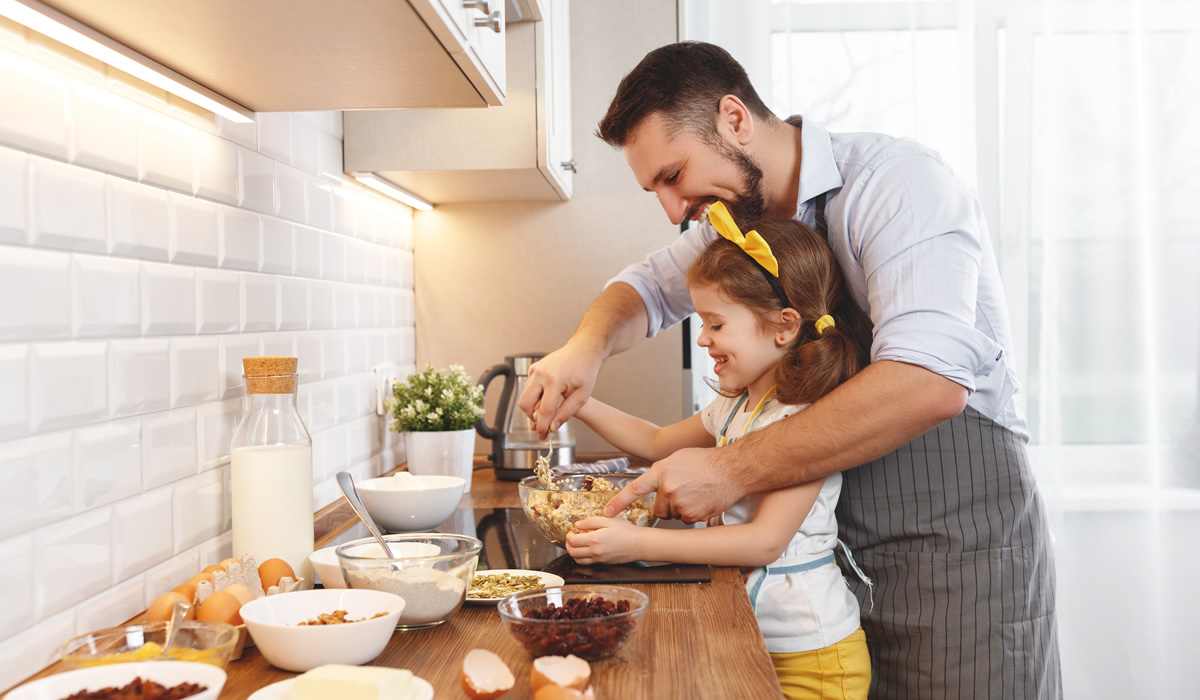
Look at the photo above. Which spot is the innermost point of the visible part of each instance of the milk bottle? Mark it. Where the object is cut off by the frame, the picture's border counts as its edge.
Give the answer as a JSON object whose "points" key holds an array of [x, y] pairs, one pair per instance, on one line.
{"points": [[271, 477]]}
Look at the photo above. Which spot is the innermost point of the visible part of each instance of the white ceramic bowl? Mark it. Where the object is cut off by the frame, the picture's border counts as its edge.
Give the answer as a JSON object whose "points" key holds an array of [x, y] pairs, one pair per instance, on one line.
{"points": [[273, 622], [329, 569], [167, 673], [411, 510], [325, 563]]}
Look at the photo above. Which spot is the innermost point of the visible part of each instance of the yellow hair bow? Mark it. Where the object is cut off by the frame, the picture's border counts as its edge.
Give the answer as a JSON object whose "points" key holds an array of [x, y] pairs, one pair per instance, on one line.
{"points": [[751, 242]]}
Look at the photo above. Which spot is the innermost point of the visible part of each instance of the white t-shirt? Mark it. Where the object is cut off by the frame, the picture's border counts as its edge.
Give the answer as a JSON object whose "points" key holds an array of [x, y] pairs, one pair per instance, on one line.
{"points": [[799, 611]]}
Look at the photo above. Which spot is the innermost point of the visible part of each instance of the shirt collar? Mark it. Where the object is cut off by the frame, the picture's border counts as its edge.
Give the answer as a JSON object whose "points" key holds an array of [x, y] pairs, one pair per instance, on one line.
{"points": [[818, 170]]}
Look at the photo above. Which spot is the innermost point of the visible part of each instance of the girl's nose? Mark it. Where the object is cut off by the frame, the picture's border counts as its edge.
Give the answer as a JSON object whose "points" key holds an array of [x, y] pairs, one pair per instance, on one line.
{"points": [[703, 340]]}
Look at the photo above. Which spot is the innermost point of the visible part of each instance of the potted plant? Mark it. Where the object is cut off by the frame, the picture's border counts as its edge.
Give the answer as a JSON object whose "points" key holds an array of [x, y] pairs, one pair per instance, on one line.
{"points": [[436, 411]]}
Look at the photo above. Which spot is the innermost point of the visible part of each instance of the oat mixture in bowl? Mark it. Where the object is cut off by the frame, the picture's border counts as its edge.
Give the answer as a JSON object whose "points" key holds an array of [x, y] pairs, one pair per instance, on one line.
{"points": [[555, 503]]}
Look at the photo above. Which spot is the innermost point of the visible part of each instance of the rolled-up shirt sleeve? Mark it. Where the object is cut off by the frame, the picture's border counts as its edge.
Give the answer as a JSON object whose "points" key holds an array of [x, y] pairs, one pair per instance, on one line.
{"points": [[919, 241], [661, 279]]}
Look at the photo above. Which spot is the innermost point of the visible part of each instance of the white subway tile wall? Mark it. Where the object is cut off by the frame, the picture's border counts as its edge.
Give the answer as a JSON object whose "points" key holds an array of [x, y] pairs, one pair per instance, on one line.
{"points": [[146, 249]]}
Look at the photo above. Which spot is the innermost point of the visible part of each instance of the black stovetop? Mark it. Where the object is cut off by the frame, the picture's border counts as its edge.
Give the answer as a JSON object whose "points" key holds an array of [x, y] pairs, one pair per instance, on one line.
{"points": [[511, 542]]}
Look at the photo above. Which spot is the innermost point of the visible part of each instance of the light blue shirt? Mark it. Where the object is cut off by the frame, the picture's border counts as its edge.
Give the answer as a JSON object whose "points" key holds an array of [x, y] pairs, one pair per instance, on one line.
{"points": [[914, 249]]}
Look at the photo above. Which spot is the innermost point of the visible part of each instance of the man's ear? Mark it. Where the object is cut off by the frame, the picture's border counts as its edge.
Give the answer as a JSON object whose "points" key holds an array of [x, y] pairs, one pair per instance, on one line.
{"points": [[788, 327], [734, 120]]}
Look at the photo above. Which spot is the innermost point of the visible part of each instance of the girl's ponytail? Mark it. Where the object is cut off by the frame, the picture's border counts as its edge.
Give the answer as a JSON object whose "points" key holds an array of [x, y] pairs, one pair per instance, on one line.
{"points": [[817, 363]]}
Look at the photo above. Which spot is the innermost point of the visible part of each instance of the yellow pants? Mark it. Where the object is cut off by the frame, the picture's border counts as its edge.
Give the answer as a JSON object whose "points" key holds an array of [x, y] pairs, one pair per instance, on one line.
{"points": [[841, 670]]}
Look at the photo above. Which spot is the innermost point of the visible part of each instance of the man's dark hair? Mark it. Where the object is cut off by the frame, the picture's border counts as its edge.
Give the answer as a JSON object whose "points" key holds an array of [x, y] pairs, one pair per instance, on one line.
{"points": [[685, 83]]}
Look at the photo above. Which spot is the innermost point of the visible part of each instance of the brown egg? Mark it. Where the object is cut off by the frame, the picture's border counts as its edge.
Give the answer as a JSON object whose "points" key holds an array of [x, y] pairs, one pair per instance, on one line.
{"points": [[195, 580], [213, 568], [187, 590], [271, 570], [564, 671], [220, 607], [226, 562], [554, 692], [163, 605], [243, 594]]}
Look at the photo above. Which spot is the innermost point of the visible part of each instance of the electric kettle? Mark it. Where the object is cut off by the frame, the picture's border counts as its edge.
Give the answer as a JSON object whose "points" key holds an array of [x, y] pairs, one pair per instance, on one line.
{"points": [[515, 443]]}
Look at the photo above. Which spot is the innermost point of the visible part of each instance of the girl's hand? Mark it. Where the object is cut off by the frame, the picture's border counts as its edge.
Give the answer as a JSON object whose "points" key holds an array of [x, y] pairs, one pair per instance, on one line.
{"points": [[604, 541]]}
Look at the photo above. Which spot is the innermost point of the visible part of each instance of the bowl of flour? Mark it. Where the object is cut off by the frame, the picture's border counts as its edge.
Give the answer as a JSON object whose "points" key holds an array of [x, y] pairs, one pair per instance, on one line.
{"points": [[431, 571]]}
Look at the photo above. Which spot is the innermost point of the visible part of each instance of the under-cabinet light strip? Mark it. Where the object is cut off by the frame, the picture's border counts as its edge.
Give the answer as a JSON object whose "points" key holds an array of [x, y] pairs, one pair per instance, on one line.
{"points": [[395, 192], [64, 29]]}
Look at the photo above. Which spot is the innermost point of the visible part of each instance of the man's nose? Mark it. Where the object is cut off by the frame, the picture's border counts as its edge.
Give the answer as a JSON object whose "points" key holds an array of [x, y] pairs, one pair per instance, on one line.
{"points": [[675, 207]]}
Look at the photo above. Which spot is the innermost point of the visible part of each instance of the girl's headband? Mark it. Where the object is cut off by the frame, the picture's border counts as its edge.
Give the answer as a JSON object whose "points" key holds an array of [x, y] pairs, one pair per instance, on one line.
{"points": [[754, 246]]}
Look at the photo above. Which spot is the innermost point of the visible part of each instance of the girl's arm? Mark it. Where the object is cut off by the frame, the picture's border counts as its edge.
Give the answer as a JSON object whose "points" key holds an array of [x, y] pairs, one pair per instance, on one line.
{"points": [[641, 438], [756, 543]]}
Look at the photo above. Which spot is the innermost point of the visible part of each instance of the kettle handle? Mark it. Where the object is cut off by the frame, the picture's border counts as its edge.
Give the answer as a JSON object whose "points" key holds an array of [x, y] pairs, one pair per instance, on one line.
{"points": [[481, 425]]}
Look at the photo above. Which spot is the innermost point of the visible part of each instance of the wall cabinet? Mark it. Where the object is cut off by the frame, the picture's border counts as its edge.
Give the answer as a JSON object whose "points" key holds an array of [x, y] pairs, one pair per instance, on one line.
{"points": [[300, 55], [518, 152]]}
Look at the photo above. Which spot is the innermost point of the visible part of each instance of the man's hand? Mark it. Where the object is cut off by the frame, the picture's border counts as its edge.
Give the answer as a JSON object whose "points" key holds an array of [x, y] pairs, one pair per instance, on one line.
{"points": [[558, 384], [692, 485], [603, 541]]}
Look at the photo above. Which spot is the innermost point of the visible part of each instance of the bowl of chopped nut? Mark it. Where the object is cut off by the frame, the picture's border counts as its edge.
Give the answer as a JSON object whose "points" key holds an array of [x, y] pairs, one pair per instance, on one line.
{"points": [[554, 503], [589, 621], [301, 630]]}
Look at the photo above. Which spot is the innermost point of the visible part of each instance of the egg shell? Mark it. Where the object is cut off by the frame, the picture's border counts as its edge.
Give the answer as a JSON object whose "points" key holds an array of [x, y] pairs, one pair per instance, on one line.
{"points": [[186, 590], [243, 594], [271, 570], [164, 605], [568, 671], [554, 692], [220, 607], [226, 562], [202, 576], [484, 675]]}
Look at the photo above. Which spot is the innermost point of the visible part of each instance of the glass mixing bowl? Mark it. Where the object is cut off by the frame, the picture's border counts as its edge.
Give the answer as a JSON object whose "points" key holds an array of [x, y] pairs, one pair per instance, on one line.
{"points": [[431, 571], [555, 512]]}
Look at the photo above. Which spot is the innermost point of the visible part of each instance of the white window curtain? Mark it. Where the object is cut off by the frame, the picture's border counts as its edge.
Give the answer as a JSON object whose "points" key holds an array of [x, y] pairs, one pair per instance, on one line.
{"points": [[1078, 122]]}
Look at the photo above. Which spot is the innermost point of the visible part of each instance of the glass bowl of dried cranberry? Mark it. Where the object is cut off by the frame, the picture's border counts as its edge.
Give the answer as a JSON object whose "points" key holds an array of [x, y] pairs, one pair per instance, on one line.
{"points": [[589, 621]]}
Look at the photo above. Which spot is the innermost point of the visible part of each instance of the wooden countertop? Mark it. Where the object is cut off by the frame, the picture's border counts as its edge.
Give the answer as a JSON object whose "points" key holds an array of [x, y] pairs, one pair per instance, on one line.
{"points": [[696, 640]]}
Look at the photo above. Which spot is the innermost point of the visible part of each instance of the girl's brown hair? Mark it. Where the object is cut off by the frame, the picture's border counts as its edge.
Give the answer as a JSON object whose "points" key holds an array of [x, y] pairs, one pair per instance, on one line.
{"points": [[815, 364]]}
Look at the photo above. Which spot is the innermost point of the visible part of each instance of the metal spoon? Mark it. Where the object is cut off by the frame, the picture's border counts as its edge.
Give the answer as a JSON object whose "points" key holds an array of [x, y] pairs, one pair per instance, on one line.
{"points": [[178, 612], [347, 483]]}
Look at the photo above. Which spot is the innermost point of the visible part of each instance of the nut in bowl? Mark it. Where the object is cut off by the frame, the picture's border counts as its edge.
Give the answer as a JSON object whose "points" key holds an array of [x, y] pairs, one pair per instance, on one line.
{"points": [[431, 571], [407, 502], [275, 624], [204, 642], [555, 507], [592, 622]]}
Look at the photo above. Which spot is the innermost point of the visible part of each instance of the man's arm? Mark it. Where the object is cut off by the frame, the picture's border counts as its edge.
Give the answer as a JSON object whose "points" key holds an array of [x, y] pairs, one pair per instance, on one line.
{"points": [[879, 409], [562, 381]]}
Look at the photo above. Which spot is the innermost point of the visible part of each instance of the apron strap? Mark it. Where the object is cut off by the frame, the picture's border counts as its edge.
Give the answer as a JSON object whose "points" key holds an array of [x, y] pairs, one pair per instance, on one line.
{"points": [[859, 572], [764, 571]]}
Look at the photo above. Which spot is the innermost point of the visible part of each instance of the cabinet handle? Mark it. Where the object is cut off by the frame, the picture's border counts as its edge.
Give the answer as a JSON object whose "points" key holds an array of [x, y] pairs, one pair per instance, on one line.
{"points": [[492, 20], [481, 5], [569, 165]]}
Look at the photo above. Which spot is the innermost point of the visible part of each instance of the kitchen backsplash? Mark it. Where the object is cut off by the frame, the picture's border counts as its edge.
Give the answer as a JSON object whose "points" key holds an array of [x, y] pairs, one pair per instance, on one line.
{"points": [[145, 248]]}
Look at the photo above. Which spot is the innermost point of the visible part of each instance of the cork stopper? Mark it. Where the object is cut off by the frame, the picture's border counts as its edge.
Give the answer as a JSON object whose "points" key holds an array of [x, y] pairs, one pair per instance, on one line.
{"points": [[270, 374]]}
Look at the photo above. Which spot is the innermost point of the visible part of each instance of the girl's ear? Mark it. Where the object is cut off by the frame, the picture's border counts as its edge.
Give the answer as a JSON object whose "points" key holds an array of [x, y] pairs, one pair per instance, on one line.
{"points": [[788, 327]]}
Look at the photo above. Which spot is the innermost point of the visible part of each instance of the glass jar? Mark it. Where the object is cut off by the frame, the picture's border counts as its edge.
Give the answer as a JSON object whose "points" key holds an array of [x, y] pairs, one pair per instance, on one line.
{"points": [[271, 469]]}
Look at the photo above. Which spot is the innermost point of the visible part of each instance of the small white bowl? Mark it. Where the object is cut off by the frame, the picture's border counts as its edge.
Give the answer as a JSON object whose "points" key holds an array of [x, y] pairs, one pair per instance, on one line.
{"points": [[167, 673], [329, 569], [325, 563], [411, 510], [273, 622]]}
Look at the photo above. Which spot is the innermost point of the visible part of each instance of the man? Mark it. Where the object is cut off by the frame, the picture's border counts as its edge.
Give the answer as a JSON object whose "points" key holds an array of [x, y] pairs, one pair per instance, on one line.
{"points": [[938, 502]]}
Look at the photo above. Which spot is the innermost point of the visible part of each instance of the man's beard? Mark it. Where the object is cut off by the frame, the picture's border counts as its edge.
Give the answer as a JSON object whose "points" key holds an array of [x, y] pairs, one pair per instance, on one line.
{"points": [[751, 204]]}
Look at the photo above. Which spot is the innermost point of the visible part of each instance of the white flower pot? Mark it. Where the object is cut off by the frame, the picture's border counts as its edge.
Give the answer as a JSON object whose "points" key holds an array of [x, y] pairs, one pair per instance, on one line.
{"points": [[449, 452]]}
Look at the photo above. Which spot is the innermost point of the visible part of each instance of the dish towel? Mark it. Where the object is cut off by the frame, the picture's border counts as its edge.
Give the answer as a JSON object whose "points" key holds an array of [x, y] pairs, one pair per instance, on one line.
{"points": [[604, 466]]}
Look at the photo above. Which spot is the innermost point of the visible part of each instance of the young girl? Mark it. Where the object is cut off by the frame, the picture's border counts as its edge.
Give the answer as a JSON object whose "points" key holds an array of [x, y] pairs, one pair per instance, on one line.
{"points": [[783, 333]]}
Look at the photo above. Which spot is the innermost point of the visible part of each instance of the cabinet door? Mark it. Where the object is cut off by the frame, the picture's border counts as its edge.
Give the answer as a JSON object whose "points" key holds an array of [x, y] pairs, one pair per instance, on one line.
{"points": [[558, 161], [469, 33]]}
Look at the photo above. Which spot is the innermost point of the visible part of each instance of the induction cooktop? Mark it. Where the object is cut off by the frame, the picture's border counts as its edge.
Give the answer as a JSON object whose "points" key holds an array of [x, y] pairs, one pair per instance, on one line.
{"points": [[511, 542]]}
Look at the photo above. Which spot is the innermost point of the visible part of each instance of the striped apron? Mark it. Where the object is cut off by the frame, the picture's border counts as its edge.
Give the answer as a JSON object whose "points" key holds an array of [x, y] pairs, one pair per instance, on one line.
{"points": [[952, 530]]}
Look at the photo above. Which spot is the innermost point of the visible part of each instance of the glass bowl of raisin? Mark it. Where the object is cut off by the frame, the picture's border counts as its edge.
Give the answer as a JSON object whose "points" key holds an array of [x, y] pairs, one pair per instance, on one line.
{"points": [[590, 621]]}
